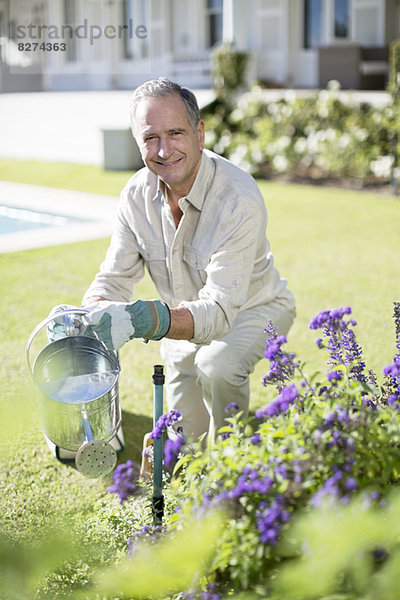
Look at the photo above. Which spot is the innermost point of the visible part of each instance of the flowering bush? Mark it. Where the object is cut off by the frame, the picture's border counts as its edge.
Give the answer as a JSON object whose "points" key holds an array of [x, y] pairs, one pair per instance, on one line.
{"points": [[318, 135], [322, 439]]}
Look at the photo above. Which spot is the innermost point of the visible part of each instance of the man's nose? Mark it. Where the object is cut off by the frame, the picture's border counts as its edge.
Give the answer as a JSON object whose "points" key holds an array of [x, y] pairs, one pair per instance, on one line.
{"points": [[164, 148]]}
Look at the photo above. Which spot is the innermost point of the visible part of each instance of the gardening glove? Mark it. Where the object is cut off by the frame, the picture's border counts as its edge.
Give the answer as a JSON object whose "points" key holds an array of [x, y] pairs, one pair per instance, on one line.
{"points": [[56, 328], [115, 323]]}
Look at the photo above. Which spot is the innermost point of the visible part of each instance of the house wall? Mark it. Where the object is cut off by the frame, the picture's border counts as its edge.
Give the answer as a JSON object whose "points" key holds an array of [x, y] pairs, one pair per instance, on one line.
{"points": [[190, 58], [82, 66], [368, 22], [270, 39], [368, 27], [19, 71], [271, 31], [303, 62], [185, 39]]}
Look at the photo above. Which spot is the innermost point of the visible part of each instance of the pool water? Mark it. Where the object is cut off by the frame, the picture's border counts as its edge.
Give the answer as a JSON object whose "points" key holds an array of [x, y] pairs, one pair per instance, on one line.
{"points": [[13, 219]]}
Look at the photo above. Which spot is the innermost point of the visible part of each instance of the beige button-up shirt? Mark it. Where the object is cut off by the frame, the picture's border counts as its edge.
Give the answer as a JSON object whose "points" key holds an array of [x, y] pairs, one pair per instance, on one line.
{"points": [[216, 263]]}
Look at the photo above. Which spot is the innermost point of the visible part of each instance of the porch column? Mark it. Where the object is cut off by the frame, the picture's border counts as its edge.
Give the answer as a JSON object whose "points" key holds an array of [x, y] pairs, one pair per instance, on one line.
{"points": [[228, 33]]}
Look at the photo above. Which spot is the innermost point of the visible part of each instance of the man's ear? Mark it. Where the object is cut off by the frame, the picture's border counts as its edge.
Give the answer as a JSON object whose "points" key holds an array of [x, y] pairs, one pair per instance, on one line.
{"points": [[200, 134]]}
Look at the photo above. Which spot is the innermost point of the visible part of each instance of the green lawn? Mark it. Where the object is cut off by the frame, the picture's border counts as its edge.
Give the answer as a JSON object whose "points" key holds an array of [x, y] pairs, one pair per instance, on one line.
{"points": [[335, 247], [70, 176]]}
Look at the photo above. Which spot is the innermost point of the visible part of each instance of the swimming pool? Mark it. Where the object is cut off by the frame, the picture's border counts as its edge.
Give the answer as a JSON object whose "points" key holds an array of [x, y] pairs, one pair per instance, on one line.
{"points": [[37, 217], [14, 219]]}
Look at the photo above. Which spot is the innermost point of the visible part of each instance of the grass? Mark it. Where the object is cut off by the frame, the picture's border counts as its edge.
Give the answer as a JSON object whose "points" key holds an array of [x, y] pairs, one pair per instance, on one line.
{"points": [[69, 176], [335, 247]]}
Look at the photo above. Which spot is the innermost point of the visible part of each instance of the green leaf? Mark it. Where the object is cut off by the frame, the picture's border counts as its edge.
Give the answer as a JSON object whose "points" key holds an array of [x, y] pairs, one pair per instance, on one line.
{"points": [[170, 566]]}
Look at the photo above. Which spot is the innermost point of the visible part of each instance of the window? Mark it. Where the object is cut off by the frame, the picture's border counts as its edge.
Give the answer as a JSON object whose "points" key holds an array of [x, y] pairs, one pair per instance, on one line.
{"points": [[341, 18], [312, 23], [214, 22]]}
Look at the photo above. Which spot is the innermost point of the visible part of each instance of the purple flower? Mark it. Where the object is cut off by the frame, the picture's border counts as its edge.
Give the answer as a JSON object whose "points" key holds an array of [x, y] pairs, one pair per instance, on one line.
{"points": [[148, 531], [351, 484], [163, 422], [317, 436], [334, 376], [342, 344], [337, 487], [330, 318], [330, 488], [273, 348], [269, 535], [255, 439], [339, 415], [336, 438], [281, 470], [210, 592], [330, 419], [125, 479], [251, 481], [380, 554], [232, 407], [394, 400], [270, 519], [282, 364], [393, 370], [343, 415], [171, 450], [281, 403]]}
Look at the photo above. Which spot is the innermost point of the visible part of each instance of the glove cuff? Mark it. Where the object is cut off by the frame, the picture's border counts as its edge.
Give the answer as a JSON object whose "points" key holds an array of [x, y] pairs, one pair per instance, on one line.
{"points": [[160, 320]]}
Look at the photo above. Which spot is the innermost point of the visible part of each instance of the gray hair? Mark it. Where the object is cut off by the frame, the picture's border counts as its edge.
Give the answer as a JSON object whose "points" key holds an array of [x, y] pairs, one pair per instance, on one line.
{"points": [[161, 87]]}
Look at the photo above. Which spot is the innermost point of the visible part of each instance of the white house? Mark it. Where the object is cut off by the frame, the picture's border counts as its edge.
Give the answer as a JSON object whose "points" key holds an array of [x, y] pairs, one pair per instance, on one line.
{"points": [[117, 44]]}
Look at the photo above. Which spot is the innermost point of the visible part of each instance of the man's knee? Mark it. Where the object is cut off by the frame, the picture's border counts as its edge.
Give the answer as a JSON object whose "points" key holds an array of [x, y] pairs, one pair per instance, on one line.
{"points": [[213, 363]]}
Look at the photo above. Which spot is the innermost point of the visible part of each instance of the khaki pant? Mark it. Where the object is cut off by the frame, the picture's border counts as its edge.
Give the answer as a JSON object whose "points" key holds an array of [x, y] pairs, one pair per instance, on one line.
{"points": [[202, 380]]}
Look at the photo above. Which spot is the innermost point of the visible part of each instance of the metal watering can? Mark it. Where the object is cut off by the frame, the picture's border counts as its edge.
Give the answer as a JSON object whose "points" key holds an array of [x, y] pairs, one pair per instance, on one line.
{"points": [[77, 379]]}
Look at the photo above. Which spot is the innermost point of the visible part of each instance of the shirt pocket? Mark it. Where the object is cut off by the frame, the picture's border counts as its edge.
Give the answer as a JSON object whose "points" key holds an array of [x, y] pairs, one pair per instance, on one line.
{"points": [[154, 256], [197, 263]]}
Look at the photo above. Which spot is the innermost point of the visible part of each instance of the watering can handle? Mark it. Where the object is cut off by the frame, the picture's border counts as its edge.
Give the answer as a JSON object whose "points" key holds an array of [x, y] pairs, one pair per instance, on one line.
{"points": [[80, 311]]}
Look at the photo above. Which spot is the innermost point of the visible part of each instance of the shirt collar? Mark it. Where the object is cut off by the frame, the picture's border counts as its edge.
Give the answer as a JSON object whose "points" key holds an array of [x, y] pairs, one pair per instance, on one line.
{"points": [[200, 186]]}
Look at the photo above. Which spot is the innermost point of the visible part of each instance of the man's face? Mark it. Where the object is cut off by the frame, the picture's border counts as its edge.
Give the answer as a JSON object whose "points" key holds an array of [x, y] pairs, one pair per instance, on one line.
{"points": [[168, 145]]}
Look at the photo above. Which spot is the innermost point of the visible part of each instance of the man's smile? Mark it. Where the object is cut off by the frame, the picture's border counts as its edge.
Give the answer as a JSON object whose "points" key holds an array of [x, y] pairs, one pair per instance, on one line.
{"points": [[169, 164]]}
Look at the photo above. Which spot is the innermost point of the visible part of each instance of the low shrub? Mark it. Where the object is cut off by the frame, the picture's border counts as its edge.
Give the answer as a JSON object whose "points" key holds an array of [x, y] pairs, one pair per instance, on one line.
{"points": [[229, 71], [318, 136]]}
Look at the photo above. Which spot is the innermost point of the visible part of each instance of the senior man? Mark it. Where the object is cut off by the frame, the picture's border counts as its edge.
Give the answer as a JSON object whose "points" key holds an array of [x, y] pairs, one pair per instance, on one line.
{"points": [[198, 224]]}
